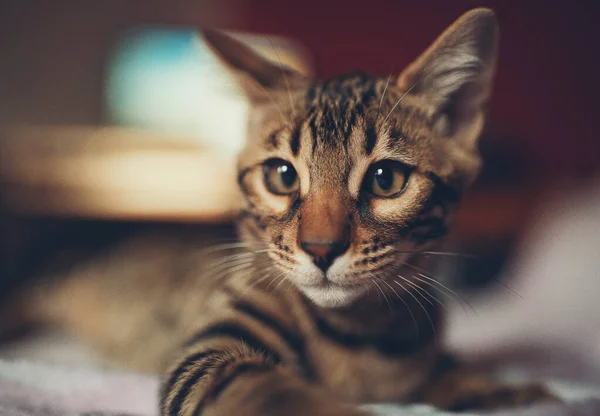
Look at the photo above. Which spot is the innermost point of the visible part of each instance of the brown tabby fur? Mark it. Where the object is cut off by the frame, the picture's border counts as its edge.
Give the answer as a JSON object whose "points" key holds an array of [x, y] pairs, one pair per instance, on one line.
{"points": [[250, 328]]}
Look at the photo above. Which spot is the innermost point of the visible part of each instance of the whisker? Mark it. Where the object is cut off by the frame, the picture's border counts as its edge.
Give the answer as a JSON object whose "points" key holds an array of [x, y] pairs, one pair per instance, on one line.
{"points": [[507, 287], [398, 102], [439, 302], [453, 254], [225, 259], [384, 296], [423, 272], [417, 289], [226, 239], [429, 296], [224, 269], [405, 304], [437, 253], [217, 270], [257, 282], [424, 275], [229, 271], [290, 285], [449, 290], [441, 291], [233, 256], [384, 90], [223, 263], [449, 254], [422, 307], [283, 279], [223, 247], [275, 278]]}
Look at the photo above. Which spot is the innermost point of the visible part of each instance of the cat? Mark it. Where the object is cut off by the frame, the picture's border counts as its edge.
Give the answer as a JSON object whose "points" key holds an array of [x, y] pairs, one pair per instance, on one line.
{"points": [[324, 301]]}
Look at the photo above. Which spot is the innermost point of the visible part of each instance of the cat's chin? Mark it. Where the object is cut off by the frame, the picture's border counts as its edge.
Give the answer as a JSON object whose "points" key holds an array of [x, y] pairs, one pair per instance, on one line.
{"points": [[333, 296]]}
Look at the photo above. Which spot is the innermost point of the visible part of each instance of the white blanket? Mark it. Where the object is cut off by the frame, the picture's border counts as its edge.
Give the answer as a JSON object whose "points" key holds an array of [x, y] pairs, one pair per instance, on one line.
{"points": [[38, 389]]}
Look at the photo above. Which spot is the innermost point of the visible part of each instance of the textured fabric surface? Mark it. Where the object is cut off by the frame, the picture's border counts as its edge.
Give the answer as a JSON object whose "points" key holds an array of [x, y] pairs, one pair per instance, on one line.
{"points": [[35, 389], [51, 389]]}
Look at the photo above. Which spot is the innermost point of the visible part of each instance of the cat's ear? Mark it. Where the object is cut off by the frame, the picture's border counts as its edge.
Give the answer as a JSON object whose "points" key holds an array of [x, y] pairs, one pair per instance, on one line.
{"points": [[255, 74], [454, 75]]}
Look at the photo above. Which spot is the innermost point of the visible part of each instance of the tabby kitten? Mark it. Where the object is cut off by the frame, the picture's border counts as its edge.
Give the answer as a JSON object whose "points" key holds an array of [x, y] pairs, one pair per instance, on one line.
{"points": [[324, 303]]}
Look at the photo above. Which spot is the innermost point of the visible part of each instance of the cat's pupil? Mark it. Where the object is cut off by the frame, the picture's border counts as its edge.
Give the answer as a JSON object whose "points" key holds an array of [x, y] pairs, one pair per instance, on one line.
{"points": [[384, 178], [287, 175]]}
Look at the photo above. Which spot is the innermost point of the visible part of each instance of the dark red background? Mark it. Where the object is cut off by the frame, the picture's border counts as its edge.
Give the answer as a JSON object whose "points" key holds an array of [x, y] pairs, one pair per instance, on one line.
{"points": [[546, 97], [547, 87]]}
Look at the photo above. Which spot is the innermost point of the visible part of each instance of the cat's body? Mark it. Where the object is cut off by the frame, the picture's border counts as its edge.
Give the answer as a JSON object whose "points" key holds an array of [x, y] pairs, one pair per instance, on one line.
{"points": [[141, 299], [326, 300], [148, 295]]}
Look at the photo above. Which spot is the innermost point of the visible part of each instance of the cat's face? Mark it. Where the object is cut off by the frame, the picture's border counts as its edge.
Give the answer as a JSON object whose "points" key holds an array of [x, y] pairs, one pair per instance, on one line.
{"points": [[347, 178]]}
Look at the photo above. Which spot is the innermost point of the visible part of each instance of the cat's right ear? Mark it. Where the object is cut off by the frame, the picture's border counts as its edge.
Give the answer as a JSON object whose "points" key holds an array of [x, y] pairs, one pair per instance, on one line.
{"points": [[255, 74], [455, 73]]}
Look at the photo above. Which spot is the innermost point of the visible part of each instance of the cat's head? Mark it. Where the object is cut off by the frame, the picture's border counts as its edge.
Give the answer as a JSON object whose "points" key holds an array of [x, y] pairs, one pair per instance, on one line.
{"points": [[344, 178]]}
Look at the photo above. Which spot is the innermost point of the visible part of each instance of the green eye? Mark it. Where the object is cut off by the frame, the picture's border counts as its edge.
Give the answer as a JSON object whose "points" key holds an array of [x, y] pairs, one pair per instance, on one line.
{"points": [[386, 179], [280, 177]]}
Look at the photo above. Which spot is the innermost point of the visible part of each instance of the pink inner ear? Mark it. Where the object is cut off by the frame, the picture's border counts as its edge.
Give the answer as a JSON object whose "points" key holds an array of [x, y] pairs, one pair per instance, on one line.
{"points": [[459, 64]]}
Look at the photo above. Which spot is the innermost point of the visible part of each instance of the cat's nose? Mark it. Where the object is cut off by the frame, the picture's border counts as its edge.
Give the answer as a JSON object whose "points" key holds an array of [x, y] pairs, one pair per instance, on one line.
{"points": [[324, 253]]}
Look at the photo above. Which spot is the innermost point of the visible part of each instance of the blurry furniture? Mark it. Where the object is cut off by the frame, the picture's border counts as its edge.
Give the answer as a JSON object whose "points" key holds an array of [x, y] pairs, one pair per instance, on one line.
{"points": [[114, 173]]}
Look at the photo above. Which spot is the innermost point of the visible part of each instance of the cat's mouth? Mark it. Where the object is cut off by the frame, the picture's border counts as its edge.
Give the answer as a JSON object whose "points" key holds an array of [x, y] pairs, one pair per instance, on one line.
{"points": [[326, 283], [338, 286], [329, 294]]}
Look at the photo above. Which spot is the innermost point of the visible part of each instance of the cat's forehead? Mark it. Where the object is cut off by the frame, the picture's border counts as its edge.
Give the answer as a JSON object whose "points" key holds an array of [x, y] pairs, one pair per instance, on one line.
{"points": [[348, 89], [332, 125], [355, 111], [336, 107]]}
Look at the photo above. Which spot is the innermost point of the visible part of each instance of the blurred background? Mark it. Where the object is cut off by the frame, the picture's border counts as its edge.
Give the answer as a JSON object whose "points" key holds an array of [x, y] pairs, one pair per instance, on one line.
{"points": [[113, 113]]}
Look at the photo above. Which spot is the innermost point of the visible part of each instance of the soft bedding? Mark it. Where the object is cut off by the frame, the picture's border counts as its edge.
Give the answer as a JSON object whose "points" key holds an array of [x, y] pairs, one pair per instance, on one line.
{"points": [[43, 389]]}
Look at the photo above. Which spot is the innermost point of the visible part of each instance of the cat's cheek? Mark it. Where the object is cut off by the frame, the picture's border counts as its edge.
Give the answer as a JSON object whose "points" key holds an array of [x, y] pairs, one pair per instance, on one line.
{"points": [[259, 195], [403, 207], [397, 210]]}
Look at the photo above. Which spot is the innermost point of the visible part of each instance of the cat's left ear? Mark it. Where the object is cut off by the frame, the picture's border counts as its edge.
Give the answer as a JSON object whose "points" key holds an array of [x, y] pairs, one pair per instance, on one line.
{"points": [[454, 75], [256, 75]]}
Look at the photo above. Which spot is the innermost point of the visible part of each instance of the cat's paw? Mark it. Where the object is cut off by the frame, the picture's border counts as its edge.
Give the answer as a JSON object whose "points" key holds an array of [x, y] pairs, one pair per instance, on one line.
{"points": [[317, 408], [490, 395], [295, 399], [330, 412]]}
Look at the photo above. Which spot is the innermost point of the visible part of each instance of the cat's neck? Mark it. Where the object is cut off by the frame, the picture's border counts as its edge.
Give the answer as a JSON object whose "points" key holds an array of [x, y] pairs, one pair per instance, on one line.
{"points": [[404, 313]]}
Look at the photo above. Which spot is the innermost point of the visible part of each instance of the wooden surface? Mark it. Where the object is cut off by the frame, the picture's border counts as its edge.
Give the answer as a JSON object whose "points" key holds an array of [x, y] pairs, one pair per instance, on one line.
{"points": [[114, 173]]}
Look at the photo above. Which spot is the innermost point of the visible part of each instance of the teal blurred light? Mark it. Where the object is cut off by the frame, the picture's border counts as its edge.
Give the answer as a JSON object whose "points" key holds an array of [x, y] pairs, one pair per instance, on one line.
{"points": [[166, 79]]}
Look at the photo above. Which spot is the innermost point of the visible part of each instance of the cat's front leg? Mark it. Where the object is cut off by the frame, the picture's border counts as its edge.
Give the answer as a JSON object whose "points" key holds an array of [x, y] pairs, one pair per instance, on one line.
{"points": [[277, 394], [459, 391], [238, 380]]}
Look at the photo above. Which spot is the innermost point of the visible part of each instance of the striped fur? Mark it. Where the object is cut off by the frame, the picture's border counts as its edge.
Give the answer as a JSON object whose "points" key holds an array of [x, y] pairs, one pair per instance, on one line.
{"points": [[259, 328]]}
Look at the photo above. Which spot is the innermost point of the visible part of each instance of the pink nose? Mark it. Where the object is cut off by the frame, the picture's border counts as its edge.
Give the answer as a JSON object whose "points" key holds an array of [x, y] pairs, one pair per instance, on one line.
{"points": [[324, 253]]}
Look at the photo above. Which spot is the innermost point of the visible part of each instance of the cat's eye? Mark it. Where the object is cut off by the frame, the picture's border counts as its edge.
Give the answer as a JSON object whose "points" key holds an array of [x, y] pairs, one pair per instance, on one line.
{"points": [[280, 177], [386, 179]]}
